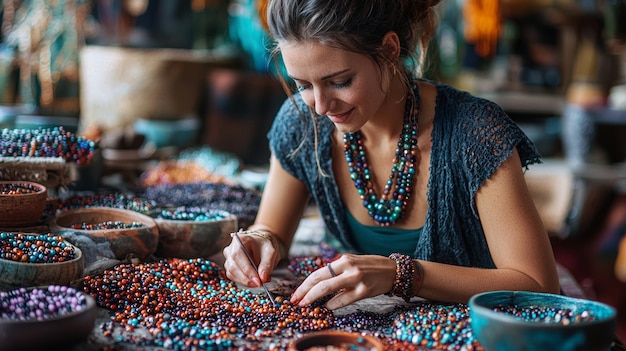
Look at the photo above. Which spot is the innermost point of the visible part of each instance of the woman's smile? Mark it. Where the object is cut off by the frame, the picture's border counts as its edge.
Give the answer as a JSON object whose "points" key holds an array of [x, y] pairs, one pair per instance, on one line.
{"points": [[340, 118]]}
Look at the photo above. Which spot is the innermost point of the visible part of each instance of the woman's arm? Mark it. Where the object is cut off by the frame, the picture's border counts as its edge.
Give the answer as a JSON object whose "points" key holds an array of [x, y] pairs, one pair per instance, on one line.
{"points": [[517, 239], [282, 206]]}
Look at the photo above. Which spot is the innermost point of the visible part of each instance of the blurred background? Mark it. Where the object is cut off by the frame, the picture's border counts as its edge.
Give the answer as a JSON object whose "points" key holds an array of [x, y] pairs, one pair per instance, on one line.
{"points": [[154, 81]]}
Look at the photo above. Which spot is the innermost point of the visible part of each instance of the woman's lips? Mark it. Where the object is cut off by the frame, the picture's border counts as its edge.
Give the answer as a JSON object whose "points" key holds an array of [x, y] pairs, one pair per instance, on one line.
{"points": [[341, 118]]}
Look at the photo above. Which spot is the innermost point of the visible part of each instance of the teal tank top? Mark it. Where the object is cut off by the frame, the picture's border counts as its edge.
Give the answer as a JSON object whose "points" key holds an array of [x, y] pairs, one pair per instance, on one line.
{"points": [[382, 240]]}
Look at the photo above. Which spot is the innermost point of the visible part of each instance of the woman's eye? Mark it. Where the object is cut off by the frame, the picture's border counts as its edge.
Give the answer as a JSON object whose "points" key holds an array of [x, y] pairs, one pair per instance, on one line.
{"points": [[345, 84], [301, 88]]}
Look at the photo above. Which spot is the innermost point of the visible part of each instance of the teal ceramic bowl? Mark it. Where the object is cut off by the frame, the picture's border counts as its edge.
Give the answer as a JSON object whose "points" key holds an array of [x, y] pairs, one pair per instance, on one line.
{"points": [[591, 325], [178, 132]]}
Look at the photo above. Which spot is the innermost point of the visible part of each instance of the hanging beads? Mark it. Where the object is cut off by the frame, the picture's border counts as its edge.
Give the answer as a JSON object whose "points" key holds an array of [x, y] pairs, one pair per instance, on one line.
{"points": [[389, 207]]}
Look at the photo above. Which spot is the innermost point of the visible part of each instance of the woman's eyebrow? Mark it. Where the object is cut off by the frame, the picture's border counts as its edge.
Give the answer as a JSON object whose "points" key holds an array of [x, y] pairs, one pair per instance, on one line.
{"points": [[326, 76]]}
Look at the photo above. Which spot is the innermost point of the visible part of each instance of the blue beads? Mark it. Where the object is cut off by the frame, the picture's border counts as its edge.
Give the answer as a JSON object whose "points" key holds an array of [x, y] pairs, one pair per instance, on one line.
{"points": [[192, 213]]}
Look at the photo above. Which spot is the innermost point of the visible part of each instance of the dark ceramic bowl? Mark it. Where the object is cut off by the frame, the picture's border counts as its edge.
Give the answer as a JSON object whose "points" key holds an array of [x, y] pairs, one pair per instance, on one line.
{"points": [[337, 340], [499, 330], [122, 243], [58, 333], [194, 239]]}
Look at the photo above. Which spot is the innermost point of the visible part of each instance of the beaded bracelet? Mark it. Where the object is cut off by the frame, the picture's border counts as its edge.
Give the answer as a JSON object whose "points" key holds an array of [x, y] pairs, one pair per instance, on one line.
{"points": [[408, 273]]}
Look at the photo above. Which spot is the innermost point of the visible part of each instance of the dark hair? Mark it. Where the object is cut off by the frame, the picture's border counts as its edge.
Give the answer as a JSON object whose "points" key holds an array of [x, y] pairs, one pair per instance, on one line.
{"points": [[358, 26]]}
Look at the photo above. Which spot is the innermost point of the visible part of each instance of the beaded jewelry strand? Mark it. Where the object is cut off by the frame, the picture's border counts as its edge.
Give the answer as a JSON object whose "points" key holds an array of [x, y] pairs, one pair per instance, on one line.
{"points": [[390, 206]]}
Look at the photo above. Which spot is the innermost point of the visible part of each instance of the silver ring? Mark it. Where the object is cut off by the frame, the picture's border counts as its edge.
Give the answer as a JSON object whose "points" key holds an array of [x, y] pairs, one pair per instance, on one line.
{"points": [[330, 269]]}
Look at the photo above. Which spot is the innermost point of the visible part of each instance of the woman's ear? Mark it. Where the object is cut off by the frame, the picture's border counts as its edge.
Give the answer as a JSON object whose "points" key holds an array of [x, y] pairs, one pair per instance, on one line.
{"points": [[391, 45]]}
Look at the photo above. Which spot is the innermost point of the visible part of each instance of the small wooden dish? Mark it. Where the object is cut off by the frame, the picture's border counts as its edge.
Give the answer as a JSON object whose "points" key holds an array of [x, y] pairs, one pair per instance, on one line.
{"points": [[22, 210], [119, 243], [335, 340], [15, 274]]}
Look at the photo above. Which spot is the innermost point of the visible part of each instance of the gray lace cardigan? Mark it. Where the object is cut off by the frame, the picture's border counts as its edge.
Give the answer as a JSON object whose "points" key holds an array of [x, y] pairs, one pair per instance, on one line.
{"points": [[471, 136]]}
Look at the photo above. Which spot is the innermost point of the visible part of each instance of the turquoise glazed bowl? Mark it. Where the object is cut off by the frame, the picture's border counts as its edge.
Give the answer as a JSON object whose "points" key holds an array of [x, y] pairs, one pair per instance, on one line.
{"points": [[497, 326]]}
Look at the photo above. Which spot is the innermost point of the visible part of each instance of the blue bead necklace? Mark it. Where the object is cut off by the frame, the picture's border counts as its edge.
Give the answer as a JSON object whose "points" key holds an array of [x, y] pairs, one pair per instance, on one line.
{"points": [[390, 206]]}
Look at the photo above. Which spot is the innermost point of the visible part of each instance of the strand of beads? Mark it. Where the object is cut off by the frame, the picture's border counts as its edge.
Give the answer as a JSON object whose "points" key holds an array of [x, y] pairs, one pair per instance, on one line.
{"points": [[388, 207], [46, 142], [107, 225], [40, 303], [35, 248]]}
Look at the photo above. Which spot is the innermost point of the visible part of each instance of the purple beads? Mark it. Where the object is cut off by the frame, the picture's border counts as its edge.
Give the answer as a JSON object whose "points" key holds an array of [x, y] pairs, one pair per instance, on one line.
{"points": [[40, 303]]}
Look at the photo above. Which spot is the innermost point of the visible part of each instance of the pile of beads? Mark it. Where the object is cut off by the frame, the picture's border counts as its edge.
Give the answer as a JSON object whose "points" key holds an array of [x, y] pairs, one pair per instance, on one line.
{"points": [[436, 326], [192, 213], [418, 326], [546, 314], [46, 142], [113, 200], [107, 225], [40, 303], [241, 202], [19, 189], [190, 305], [35, 248]]}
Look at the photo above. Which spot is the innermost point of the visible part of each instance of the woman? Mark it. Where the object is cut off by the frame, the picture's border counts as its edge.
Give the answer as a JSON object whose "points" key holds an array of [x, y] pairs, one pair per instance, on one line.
{"points": [[421, 182]]}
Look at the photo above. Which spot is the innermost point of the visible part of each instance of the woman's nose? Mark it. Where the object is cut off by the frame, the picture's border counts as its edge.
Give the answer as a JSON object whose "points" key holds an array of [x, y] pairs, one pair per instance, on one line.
{"points": [[322, 102]]}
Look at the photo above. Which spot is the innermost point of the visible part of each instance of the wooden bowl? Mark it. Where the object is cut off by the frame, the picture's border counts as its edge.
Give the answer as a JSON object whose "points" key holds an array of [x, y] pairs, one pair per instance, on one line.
{"points": [[338, 340], [501, 330], [58, 333], [194, 239], [120, 244], [15, 274], [22, 210]]}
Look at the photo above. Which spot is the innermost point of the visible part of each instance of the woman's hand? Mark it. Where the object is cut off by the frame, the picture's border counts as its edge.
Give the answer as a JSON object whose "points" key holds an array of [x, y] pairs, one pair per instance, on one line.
{"points": [[355, 277], [264, 251]]}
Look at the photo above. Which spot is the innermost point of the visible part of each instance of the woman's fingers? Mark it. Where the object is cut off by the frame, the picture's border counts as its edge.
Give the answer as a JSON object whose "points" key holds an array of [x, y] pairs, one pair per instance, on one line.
{"points": [[349, 278], [237, 266]]}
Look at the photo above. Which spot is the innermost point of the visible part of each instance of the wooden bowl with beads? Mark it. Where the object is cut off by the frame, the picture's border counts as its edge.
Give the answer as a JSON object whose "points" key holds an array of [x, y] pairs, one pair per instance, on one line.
{"points": [[193, 237], [21, 268], [22, 203], [60, 328], [521, 320], [335, 340], [104, 232]]}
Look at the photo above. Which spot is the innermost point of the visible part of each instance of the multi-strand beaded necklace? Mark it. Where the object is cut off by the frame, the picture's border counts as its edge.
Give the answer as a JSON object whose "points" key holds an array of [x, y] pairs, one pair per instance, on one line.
{"points": [[388, 208]]}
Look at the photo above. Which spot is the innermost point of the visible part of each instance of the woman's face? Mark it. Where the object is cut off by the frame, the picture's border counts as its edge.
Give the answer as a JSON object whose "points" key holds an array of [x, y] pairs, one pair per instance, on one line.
{"points": [[344, 86]]}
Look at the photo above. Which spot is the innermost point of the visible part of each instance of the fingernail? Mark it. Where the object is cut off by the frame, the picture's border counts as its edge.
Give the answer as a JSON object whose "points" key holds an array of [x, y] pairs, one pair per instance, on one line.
{"points": [[256, 281]]}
